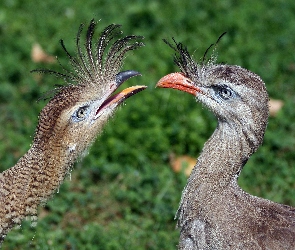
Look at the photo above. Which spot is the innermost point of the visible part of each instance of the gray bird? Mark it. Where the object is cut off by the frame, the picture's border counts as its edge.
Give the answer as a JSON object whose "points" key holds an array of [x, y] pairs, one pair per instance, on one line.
{"points": [[69, 123], [214, 212]]}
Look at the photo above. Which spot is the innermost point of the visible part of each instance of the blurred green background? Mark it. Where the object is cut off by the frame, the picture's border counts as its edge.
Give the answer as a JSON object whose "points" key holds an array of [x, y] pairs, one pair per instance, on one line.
{"points": [[124, 195]]}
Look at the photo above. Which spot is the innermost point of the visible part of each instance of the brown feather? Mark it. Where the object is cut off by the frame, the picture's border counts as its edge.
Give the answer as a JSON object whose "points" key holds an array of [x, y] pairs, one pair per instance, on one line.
{"points": [[68, 124]]}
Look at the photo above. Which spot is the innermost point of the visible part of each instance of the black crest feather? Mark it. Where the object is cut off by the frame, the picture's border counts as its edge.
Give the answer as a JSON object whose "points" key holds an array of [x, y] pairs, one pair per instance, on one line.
{"points": [[186, 63], [99, 64]]}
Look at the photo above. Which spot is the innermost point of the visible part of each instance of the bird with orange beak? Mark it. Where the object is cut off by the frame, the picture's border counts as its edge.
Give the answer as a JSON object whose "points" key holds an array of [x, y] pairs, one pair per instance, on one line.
{"points": [[214, 212], [69, 123]]}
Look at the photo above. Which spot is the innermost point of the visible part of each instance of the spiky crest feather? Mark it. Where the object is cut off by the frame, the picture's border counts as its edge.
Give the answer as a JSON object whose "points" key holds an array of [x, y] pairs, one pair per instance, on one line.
{"points": [[93, 66], [186, 63]]}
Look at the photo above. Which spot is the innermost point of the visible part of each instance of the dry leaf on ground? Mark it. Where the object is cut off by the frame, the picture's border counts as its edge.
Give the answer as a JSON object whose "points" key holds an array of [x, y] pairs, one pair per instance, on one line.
{"points": [[39, 55], [275, 106]]}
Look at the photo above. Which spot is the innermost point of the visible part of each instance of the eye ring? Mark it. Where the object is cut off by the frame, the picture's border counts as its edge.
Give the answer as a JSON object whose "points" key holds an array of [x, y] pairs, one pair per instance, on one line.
{"points": [[225, 93], [81, 113]]}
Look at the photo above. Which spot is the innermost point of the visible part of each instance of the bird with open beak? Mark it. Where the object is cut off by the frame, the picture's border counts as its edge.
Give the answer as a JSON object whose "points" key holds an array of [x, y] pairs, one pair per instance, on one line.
{"points": [[69, 123]]}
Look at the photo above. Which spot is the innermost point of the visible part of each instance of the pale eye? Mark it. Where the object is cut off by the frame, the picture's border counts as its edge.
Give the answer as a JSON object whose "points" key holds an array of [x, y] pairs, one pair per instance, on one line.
{"points": [[225, 93], [81, 113]]}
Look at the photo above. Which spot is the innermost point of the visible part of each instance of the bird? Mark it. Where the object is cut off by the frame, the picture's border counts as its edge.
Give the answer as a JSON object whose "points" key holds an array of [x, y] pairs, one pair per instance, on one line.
{"points": [[214, 211], [69, 123]]}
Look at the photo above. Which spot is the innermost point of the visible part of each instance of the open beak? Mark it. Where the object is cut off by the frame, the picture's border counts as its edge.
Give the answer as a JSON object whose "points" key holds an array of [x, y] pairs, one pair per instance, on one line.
{"points": [[124, 94], [178, 81]]}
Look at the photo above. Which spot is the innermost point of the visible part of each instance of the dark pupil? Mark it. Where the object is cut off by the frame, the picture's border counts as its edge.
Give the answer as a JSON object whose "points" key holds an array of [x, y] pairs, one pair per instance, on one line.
{"points": [[81, 112], [225, 93]]}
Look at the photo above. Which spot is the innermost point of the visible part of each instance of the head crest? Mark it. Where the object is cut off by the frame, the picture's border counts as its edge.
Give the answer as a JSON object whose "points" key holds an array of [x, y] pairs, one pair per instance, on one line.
{"points": [[96, 63], [186, 63]]}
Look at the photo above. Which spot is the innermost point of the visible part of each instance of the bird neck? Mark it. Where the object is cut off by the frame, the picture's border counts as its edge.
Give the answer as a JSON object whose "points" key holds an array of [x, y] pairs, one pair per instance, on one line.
{"points": [[217, 168], [35, 177], [45, 167], [220, 163], [224, 155]]}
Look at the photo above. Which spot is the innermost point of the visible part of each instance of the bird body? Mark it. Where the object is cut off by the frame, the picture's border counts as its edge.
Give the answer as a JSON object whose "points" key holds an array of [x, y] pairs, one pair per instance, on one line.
{"points": [[68, 124], [214, 212]]}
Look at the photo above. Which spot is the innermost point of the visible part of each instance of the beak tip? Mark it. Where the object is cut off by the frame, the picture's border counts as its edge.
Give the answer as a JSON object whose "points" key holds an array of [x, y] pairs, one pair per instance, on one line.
{"points": [[178, 81], [168, 79], [125, 75]]}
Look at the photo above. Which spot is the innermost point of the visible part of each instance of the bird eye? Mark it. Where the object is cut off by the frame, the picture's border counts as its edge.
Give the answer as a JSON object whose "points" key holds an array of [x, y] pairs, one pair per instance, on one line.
{"points": [[81, 113], [224, 92]]}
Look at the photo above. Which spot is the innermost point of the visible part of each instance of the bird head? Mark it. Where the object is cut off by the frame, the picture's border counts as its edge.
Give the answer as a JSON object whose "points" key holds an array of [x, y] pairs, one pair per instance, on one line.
{"points": [[77, 112], [236, 96]]}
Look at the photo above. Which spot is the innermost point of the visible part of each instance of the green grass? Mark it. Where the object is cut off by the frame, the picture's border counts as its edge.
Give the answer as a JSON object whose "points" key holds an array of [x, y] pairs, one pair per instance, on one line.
{"points": [[123, 195]]}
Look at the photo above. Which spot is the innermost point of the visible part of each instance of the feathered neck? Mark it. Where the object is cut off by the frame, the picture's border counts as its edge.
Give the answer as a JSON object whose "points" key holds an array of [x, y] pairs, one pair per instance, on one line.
{"points": [[218, 167]]}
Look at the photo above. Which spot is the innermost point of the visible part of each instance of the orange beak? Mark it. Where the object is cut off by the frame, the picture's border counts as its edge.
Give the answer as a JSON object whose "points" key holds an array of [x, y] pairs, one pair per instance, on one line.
{"points": [[121, 96], [178, 81], [124, 94]]}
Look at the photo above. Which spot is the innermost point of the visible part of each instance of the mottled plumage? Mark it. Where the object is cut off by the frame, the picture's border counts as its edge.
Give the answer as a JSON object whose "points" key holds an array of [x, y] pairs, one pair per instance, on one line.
{"points": [[214, 212], [68, 124]]}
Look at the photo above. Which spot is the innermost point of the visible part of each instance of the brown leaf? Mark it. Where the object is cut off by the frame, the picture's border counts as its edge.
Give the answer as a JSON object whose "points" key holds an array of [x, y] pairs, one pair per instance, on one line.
{"points": [[183, 163], [275, 106], [39, 55]]}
